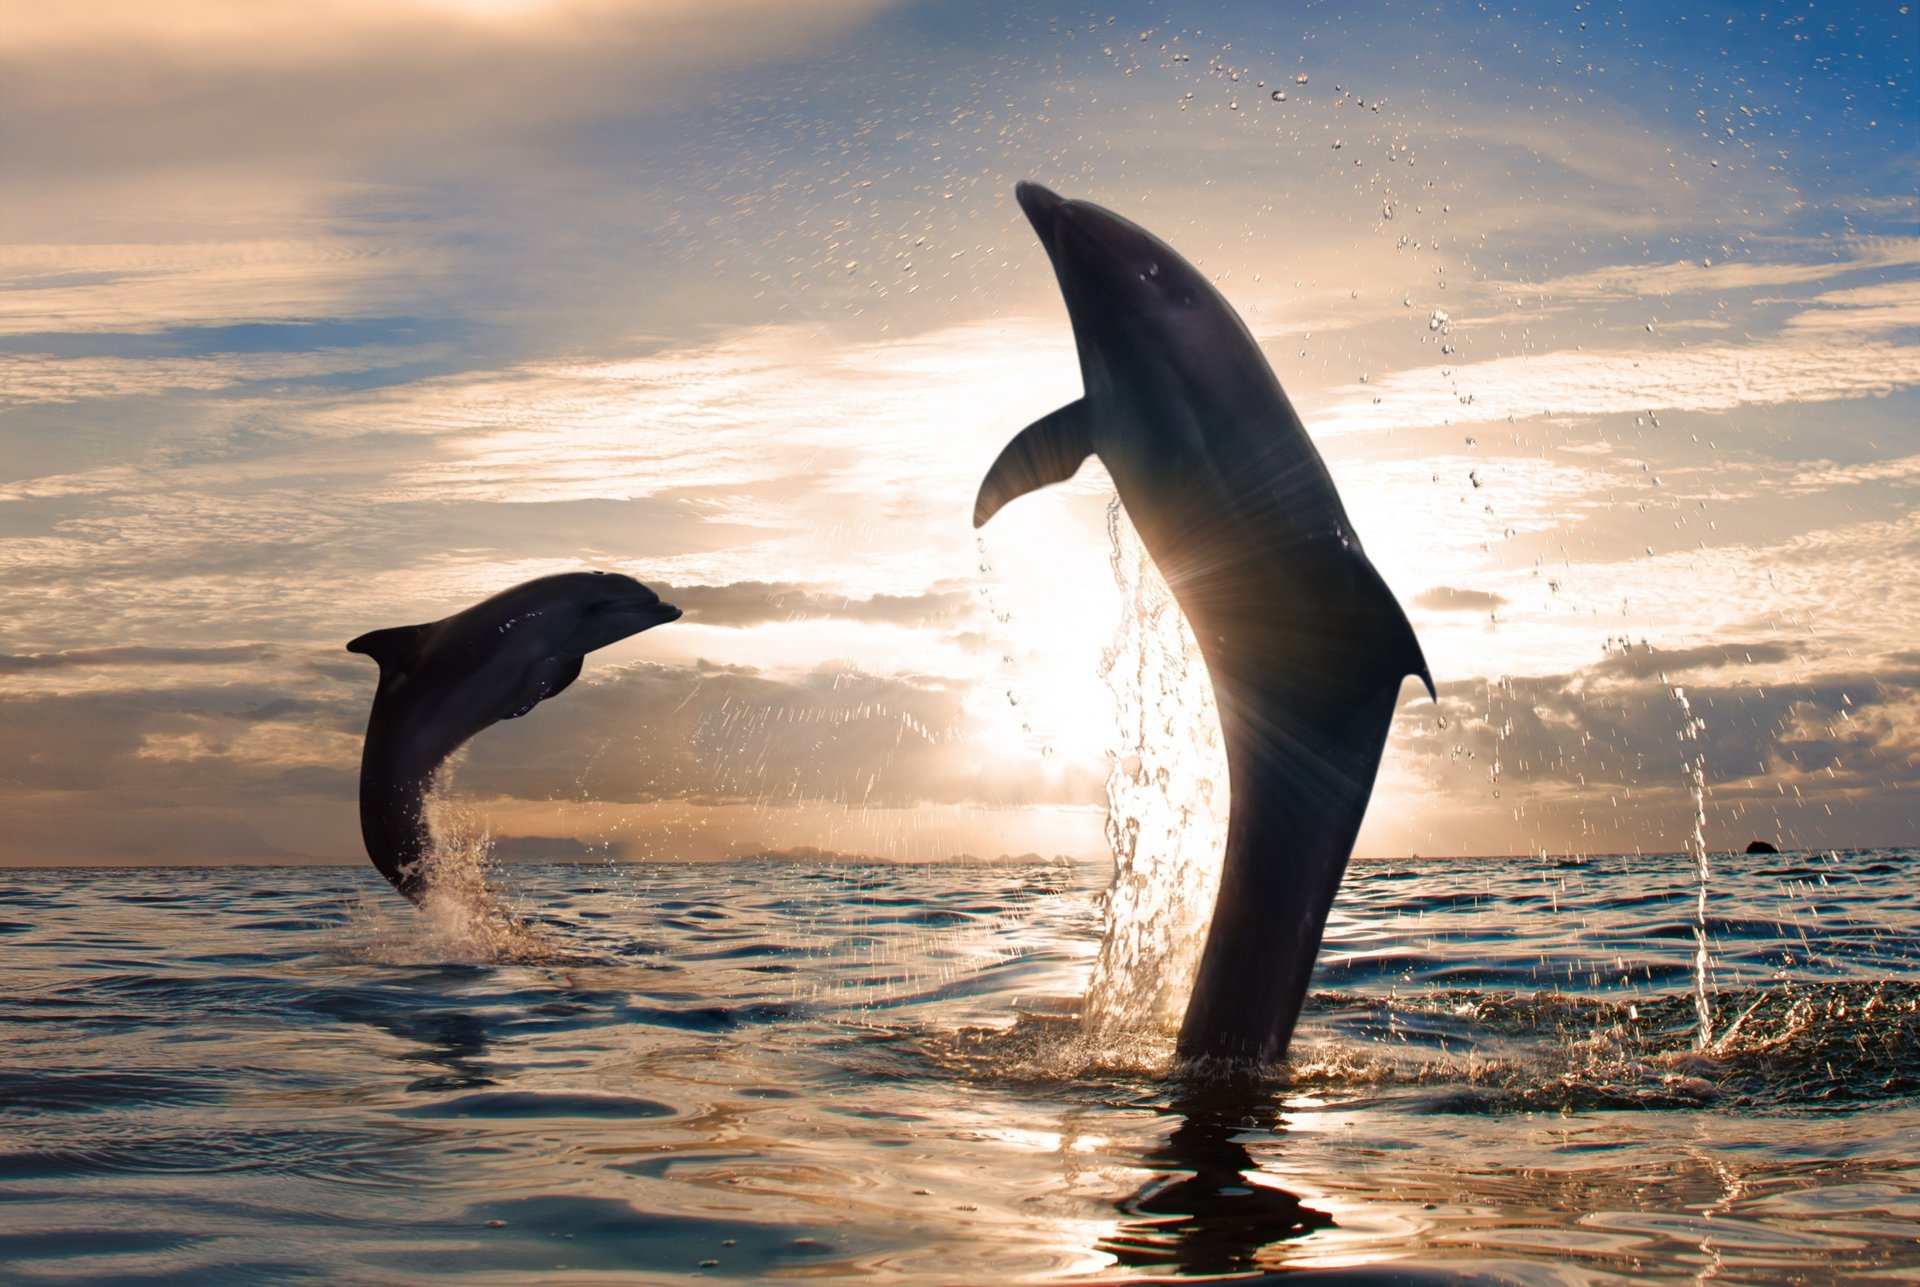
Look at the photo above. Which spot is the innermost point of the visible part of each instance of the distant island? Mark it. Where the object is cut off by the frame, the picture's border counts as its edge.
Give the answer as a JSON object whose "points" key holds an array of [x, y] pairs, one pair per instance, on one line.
{"points": [[1761, 847]]}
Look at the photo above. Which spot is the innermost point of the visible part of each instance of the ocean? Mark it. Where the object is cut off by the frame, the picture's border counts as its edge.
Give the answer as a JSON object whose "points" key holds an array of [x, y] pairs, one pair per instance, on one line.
{"points": [[788, 1072]]}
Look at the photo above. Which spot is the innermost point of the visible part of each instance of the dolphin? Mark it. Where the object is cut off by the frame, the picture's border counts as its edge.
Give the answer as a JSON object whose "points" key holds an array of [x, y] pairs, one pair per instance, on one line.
{"points": [[1305, 645], [443, 682]]}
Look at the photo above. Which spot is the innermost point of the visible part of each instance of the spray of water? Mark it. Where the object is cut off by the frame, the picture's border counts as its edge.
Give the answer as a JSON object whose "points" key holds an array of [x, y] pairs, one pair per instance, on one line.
{"points": [[1694, 764], [1166, 802], [461, 918]]}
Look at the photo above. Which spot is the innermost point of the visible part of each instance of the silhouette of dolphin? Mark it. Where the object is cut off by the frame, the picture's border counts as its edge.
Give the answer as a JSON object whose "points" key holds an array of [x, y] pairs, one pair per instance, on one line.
{"points": [[1305, 644], [441, 683]]}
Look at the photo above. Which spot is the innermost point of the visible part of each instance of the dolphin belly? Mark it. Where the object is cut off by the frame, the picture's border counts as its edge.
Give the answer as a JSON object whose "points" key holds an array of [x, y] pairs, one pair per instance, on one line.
{"points": [[1299, 782]]}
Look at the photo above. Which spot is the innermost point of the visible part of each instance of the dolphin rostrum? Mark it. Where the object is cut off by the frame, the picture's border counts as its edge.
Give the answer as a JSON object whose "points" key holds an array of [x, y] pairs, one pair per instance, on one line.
{"points": [[1305, 644], [441, 683]]}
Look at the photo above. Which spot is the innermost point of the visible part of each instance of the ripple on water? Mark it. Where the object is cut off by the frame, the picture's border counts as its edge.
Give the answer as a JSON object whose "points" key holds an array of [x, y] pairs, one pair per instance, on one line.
{"points": [[529, 1104]]}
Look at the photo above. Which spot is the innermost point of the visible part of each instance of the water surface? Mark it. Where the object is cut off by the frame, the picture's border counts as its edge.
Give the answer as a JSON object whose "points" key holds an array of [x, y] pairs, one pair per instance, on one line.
{"points": [[867, 1073]]}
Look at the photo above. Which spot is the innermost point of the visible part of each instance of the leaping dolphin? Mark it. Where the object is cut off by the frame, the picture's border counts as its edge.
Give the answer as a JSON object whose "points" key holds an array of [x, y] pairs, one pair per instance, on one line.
{"points": [[1305, 644], [443, 682]]}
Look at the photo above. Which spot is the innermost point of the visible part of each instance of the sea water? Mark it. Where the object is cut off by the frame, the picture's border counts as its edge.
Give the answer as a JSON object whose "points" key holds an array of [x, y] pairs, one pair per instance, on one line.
{"points": [[869, 1073]]}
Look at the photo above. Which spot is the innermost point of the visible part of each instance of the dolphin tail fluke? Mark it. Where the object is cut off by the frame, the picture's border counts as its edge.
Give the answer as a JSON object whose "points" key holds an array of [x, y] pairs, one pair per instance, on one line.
{"points": [[1050, 450]]}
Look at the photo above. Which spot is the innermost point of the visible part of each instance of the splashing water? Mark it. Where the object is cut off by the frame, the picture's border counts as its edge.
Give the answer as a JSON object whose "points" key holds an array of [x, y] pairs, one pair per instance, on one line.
{"points": [[461, 920], [1694, 765], [1166, 802]]}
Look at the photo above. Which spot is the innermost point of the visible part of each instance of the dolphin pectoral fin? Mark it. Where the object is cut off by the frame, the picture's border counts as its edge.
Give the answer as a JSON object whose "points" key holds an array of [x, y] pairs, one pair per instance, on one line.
{"points": [[543, 680], [563, 672], [1050, 450], [392, 648]]}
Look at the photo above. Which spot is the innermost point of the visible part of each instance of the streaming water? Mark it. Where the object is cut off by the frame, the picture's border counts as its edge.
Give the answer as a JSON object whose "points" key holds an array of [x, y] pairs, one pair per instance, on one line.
{"points": [[1167, 801], [1694, 764]]}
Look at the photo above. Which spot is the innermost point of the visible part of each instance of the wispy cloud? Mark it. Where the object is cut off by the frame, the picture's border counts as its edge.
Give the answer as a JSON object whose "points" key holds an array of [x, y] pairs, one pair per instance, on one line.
{"points": [[1447, 599], [1799, 264], [1580, 384], [131, 655]]}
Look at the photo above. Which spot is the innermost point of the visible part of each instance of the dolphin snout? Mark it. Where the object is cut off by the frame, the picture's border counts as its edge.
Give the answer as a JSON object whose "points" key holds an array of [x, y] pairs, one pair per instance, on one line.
{"points": [[646, 613], [656, 613], [1041, 205]]}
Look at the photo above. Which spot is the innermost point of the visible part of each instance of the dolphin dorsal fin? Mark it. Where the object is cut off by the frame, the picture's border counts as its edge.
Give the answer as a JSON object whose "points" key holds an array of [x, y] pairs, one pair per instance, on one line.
{"points": [[1050, 450], [393, 648], [1389, 623]]}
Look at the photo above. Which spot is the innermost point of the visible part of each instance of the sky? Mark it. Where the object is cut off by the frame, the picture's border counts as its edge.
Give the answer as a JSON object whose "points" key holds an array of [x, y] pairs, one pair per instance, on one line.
{"points": [[317, 318]]}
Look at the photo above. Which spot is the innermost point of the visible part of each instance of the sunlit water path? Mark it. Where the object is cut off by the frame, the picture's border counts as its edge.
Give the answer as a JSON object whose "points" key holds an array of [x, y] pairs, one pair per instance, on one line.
{"points": [[863, 1073]]}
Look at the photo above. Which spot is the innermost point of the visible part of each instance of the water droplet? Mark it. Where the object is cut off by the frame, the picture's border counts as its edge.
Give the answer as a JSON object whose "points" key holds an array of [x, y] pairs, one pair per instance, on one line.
{"points": [[1301, 79], [1337, 145], [1279, 95]]}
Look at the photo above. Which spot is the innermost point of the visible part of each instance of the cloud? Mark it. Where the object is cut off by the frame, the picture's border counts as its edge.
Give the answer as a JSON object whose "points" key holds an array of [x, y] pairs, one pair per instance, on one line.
{"points": [[37, 379], [1444, 598], [132, 655], [1816, 261], [229, 83], [1600, 754], [752, 603], [1863, 310], [1622, 381], [1646, 661], [276, 754], [731, 735], [82, 286], [1825, 475]]}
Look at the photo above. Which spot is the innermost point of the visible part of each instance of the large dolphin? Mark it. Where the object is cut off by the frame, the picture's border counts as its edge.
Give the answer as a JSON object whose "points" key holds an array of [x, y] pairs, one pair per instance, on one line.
{"points": [[1305, 644], [443, 682]]}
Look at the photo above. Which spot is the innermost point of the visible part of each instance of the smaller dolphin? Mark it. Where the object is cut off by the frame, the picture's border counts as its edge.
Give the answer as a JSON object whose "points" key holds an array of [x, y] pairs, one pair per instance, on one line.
{"points": [[442, 682]]}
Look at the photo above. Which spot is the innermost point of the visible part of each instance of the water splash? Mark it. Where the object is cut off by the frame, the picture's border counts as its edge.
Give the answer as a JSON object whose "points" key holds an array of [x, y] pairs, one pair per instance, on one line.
{"points": [[1166, 802], [461, 918], [1694, 765]]}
